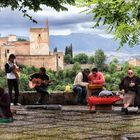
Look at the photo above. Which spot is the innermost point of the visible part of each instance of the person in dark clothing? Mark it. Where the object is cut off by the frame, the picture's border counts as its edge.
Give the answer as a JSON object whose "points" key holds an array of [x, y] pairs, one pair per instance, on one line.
{"points": [[137, 98], [40, 81], [80, 86], [12, 78], [128, 87], [5, 111]]}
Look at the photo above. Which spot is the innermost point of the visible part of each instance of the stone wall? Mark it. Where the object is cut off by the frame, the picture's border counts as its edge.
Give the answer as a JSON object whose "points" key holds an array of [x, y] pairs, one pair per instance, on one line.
{"points": [[22, 48], [63, 98], [47, 61]]}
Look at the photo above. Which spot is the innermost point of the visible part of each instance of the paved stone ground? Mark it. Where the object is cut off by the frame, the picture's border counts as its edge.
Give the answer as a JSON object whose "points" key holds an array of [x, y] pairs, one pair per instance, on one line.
{"points": [[71, 123]]}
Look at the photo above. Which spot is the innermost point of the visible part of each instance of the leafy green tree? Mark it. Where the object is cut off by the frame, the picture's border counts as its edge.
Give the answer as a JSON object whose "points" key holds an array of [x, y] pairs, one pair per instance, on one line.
{"points": [[68, 59], [66, 50], [125, 67], [99, 59], [121, 17], [69, 50], [113, 65], [82, 58], [76, 67], [91, 59], [35, 5], [21, 39]]}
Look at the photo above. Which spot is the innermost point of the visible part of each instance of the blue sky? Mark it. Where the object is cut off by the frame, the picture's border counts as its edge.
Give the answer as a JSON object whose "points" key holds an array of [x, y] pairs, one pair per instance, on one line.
{"points": [[60, 23]]}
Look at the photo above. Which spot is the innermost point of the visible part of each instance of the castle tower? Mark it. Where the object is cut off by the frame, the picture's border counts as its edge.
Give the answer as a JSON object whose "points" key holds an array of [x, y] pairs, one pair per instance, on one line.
{"points": [[39, 41]]}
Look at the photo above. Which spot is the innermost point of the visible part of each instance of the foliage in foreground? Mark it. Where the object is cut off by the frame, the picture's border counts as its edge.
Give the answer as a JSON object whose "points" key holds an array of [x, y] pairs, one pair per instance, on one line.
{"points": [[121, 17]]}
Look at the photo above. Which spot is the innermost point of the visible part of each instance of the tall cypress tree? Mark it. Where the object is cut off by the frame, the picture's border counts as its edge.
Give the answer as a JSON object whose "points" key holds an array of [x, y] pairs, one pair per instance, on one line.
{"points": [[66, 50]]}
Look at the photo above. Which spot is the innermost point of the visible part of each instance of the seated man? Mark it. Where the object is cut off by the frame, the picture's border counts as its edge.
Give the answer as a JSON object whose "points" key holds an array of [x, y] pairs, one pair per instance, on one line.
{"points": [[5, 112], [80, 84], [96, 82], [40, 81]]}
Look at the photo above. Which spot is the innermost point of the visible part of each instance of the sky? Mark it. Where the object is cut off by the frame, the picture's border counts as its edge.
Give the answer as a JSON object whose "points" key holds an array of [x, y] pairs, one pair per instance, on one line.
{"points": [[60, 23]]}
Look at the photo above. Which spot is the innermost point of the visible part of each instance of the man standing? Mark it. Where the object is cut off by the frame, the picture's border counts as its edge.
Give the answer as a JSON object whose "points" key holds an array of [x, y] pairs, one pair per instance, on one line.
{"points": [[40, 81], [12, 70]]}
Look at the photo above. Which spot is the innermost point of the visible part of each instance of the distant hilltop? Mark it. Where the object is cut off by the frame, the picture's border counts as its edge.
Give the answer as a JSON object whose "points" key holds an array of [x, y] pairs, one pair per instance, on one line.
{"points": [[89, 43]]}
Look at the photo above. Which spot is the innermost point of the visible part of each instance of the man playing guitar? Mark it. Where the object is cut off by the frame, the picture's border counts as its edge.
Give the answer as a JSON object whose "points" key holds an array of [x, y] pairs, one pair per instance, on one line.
{"points": [[40, 81]]}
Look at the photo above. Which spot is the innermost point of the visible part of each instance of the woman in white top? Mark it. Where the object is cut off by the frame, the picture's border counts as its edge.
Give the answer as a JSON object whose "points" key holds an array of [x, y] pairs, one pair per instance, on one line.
{"points": [[79, 86], [12, 78]]}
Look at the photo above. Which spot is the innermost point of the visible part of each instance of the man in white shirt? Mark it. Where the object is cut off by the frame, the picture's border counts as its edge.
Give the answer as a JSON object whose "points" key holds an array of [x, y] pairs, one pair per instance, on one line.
{"points": [[80, 86]]}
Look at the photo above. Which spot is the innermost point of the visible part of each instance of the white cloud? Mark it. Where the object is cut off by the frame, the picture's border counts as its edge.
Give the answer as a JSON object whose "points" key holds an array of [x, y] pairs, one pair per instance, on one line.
{"points": [[105, 35], [60, 23]]}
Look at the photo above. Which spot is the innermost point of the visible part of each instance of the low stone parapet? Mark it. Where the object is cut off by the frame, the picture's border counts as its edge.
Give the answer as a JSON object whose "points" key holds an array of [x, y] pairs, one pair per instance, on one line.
{"points": [[63, 98], [58, 97]]}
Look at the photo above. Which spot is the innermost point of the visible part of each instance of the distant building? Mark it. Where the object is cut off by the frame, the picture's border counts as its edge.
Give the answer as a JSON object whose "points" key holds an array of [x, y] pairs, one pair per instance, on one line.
{"points": [[134, 62], [34, 52]]}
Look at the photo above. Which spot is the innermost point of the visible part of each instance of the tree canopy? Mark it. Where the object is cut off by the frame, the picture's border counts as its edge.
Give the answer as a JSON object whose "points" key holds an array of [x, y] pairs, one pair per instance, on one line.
{"points": [[122, 18], [35, 5], [99, 59]]}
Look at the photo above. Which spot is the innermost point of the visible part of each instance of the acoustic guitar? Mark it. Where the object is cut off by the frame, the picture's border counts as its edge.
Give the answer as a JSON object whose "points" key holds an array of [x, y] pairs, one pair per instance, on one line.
{"points": [[37, 82], [16, 71]]}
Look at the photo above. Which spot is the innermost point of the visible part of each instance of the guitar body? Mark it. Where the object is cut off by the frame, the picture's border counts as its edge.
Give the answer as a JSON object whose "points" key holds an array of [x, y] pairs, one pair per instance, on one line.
{"points": [[35, 83], [16, 71]]}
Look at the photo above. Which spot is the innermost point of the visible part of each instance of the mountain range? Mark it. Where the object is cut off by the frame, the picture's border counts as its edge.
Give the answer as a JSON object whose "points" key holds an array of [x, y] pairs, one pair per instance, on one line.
{"points": [[89, 43]]}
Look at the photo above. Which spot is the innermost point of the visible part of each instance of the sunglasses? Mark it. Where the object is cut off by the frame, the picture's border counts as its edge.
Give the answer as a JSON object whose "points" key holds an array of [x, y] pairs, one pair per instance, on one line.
{"points": [[130, 73]]}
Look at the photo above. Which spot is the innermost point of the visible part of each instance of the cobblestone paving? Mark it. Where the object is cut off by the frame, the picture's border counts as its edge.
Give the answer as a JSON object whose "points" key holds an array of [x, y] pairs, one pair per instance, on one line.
{"points": [[71, 124]]}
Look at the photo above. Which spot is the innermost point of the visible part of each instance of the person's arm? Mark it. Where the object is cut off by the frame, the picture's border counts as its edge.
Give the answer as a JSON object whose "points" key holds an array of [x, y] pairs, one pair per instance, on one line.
{"points": [[80, 80], [100, 80], [47, 80], [137, 81], [89, 78], [32, 76], [121, 85], [8, 69]]}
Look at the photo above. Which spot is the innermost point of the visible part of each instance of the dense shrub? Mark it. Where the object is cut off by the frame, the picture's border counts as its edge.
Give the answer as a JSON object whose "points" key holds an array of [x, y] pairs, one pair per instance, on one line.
{"points": [[66, 77]]}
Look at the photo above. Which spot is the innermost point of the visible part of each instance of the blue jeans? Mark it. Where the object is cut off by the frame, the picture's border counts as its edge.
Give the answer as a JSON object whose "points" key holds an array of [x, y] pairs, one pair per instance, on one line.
{"points": [[81, 94], [43, 91]]}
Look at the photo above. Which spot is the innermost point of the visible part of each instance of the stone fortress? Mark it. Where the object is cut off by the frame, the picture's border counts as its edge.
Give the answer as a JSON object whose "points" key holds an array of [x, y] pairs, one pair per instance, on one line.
{"points": [[34, 52]]}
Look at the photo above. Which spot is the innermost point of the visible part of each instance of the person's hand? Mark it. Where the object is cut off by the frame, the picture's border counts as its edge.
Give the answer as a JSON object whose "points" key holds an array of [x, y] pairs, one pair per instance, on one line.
{"points": [[94, 81], [132, 84], [122, 91]]}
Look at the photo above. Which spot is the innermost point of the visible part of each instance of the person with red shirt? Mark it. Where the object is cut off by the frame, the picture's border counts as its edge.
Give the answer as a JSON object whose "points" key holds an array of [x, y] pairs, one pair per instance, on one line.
{"points": [[96, 81]]}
